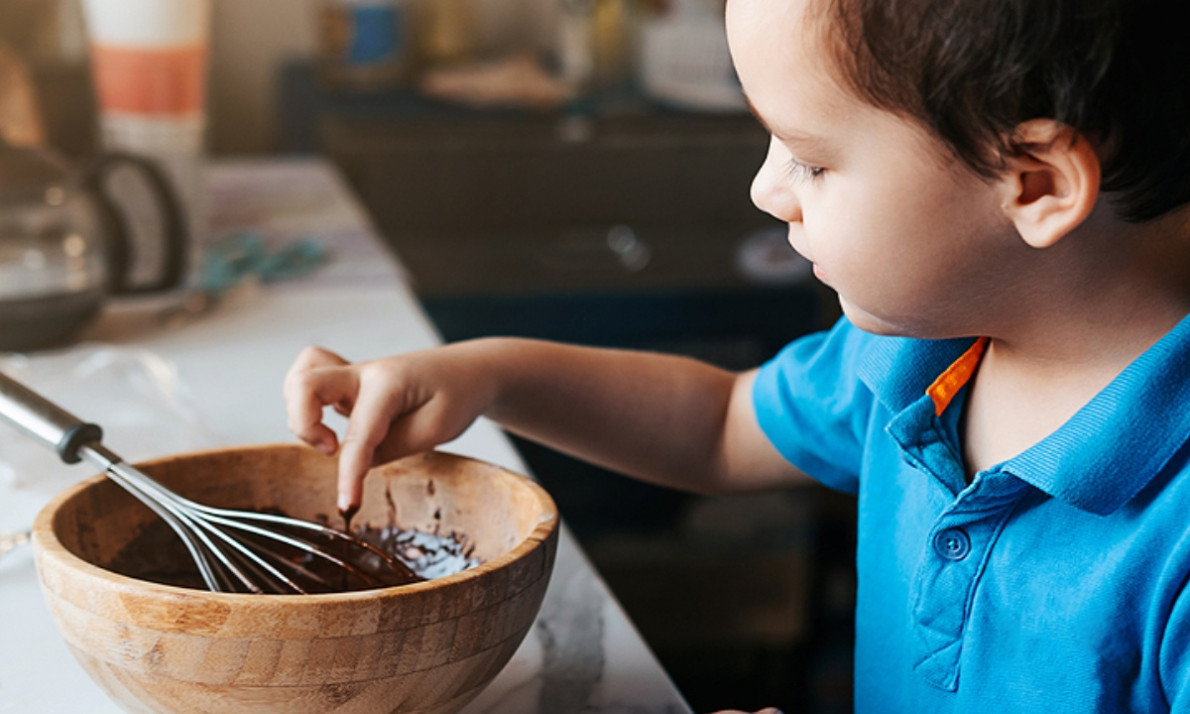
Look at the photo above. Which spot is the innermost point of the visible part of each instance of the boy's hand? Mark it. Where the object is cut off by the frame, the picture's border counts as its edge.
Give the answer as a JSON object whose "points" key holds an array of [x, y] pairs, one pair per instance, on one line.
{"points": [[395, 406]]}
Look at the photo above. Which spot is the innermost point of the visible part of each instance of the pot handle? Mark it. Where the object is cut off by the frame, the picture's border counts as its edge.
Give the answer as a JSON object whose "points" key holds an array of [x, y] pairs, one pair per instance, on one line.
{"points": [[174, 237]]}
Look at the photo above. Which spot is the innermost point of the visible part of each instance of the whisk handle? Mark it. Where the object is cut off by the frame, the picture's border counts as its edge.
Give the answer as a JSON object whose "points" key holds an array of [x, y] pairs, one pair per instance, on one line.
{"points": [[45, 421]]}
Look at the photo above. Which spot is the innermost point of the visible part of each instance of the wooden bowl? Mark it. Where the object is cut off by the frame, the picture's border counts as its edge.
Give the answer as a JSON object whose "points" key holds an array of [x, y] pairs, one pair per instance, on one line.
{"points": [[426, 647]]}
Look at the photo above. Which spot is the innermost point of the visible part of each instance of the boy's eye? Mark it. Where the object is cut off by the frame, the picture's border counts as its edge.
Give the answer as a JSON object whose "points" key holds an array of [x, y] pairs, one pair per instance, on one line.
{"points": [[803, 172]]}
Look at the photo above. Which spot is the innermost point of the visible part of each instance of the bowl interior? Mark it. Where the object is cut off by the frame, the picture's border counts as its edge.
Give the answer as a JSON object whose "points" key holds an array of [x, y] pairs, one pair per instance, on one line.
{"points": [[490, 509]]}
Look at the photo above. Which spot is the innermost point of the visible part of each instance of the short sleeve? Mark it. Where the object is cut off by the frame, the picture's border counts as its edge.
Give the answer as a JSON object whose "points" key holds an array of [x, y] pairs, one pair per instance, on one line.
{"points": [[813, 407]]}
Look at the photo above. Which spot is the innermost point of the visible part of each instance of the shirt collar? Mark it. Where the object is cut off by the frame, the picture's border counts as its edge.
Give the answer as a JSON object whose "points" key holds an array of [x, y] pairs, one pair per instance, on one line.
{"points": [[1099, 459], [898, 370]]}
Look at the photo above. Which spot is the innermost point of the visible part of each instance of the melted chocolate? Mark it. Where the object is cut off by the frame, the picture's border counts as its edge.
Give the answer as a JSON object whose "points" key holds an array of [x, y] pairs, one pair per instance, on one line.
{"points": [[157, 554], [347, 514]]}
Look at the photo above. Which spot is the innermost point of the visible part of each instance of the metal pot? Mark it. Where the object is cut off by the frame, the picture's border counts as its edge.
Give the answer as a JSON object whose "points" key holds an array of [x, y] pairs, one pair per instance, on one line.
{"points": [[65, 244]]}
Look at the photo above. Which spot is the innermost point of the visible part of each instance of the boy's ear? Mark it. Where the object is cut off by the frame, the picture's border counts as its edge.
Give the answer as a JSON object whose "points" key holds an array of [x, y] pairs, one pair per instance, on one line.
{"points": [[1052, 183]]}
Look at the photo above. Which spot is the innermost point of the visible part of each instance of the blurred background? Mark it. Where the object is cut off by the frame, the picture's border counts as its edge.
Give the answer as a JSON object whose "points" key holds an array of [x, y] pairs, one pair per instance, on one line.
{"points": [[564, 169]]}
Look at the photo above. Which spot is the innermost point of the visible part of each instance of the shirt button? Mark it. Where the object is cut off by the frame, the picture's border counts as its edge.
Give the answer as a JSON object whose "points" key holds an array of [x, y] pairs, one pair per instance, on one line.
{"points": [[952, 543]]}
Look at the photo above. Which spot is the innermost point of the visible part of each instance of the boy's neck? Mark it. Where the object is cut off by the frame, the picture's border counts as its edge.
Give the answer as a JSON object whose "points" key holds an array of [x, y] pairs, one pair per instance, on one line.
{"points": [[1101, 295], [1107, 294]]}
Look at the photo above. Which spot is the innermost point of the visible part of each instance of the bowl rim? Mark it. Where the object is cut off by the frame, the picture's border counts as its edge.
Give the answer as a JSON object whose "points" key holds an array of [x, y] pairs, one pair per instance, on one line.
{"points": [[46, 543]]}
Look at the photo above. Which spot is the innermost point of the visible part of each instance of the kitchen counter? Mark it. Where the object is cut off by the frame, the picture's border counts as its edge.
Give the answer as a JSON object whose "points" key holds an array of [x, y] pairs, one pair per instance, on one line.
{"points": [[226, 368]]}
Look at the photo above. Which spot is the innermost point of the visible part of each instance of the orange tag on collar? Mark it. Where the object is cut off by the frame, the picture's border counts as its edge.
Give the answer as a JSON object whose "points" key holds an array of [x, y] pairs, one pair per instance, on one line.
{"points": [[956, 376]]}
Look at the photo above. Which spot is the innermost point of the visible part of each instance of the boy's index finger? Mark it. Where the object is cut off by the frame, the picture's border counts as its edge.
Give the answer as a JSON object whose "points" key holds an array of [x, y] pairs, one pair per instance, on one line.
{"points": [[367, 427]]}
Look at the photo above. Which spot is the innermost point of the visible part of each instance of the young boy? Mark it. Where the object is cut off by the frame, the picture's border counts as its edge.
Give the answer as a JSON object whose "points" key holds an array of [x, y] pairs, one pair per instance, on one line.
{"points": [[997, 191]]}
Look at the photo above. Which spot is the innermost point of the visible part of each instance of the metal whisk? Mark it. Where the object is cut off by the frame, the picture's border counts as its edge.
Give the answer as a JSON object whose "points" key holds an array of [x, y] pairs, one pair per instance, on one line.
{"points": [[234, 550]]}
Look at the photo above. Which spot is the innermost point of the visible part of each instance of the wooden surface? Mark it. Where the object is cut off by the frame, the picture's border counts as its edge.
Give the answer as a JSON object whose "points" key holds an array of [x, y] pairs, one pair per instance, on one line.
{"points": [[429, 647]]}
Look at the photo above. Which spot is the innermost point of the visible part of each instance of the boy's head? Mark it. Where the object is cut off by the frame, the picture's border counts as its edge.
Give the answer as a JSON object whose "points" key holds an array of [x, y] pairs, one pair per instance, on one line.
{"points": [[917, 142], [1117, 71]]}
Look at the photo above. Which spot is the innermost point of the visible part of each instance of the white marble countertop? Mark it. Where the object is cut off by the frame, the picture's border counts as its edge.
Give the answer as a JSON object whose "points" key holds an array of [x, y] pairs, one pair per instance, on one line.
{"points": [[217, 381]]}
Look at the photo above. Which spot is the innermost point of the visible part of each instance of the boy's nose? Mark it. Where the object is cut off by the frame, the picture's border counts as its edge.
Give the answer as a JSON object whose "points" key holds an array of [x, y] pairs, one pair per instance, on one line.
{"points": [[772, 191]]}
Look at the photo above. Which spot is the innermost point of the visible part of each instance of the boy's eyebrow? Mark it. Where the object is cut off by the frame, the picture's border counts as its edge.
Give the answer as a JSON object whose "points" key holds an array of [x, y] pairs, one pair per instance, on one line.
{"points": [[800, 138]]}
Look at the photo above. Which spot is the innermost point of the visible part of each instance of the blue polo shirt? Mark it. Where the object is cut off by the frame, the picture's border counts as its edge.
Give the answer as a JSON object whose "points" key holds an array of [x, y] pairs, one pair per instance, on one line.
{"points": [[1054, 581]]}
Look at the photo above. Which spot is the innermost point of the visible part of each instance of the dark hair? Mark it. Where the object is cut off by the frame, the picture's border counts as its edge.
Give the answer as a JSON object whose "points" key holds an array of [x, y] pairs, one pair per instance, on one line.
{"points": [[1117, 71]]}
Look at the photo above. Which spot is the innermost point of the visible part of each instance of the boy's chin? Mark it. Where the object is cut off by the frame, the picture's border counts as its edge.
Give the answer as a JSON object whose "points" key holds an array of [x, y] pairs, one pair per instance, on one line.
{"points": [[876, 324]]}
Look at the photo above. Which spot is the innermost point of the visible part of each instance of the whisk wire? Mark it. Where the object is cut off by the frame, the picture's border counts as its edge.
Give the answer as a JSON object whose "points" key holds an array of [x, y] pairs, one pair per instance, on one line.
{"points": [[218, 571], [176, 521], [254, 562], [236, 518], [222, 570], [295, 543], [225, 562]]}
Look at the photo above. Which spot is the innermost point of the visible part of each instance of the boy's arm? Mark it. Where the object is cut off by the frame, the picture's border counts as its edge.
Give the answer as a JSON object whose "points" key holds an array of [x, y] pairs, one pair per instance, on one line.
{"points": [[667, 419]]}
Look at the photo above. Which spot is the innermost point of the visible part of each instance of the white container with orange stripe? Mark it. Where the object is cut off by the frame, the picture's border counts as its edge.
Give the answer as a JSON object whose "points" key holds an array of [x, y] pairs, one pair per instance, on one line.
{"points": [[149, 62]]}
